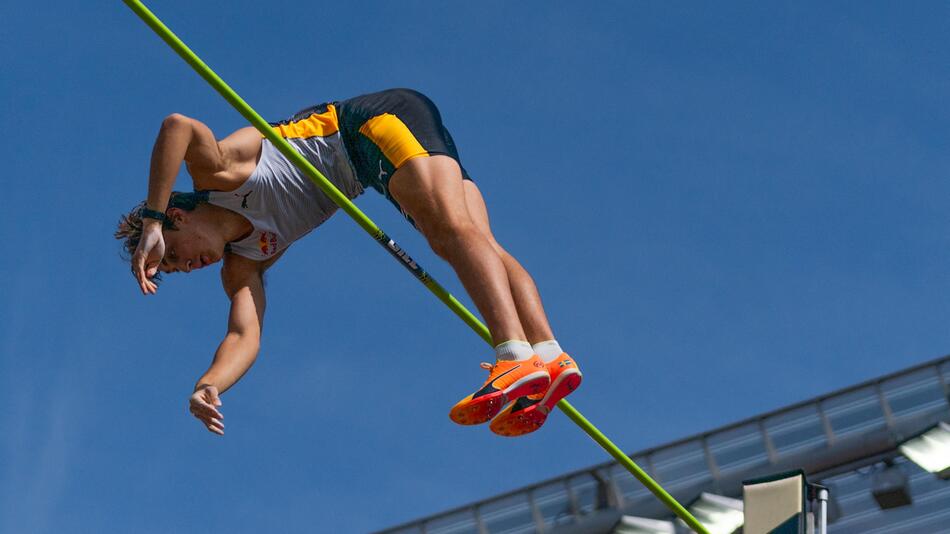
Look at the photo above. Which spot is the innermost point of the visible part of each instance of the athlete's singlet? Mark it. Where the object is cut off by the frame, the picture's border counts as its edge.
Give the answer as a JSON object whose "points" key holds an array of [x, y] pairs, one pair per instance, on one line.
{"points": [[278, 199], [356, 143]]}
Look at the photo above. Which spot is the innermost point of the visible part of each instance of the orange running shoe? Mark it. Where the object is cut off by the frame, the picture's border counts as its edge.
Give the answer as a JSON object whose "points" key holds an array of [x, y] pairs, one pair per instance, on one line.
{"points": [[506, 379], [527, 414]]}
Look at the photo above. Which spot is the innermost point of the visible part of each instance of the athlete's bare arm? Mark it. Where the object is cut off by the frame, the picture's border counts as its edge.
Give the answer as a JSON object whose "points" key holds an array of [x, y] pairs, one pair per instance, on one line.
{"points": [[226, 166], [242, 279], [213, 165]]}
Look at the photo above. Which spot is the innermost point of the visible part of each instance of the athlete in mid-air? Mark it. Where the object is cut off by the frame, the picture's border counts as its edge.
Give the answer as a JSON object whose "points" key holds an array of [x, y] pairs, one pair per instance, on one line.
{"points": [[250, 203]]}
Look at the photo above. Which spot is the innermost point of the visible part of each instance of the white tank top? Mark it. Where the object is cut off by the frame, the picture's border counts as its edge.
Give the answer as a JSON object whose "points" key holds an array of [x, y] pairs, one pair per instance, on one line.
{"points": [[281, 202]]}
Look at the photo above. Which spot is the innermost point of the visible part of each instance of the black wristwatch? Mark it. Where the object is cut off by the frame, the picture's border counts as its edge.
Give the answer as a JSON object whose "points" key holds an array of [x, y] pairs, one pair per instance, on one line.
{"points": [[146, 213]]}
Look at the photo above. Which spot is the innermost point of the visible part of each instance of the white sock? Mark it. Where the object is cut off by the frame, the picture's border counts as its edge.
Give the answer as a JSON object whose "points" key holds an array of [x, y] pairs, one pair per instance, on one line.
{"points": [[514, 351], [548, 350]]}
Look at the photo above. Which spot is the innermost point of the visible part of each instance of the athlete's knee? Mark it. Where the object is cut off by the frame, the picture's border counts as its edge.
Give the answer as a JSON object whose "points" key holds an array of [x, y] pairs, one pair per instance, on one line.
{"points": [[446, 237], [494, 244]]}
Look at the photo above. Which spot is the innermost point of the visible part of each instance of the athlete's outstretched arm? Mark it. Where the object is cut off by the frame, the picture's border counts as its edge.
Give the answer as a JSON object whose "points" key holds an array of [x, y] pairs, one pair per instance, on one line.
{"points": [[243, 283], [180, 139]]}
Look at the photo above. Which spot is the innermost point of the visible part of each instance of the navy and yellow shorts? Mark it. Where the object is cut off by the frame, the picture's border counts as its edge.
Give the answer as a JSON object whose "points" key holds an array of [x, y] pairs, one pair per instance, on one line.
{"points": [[382, 131]]}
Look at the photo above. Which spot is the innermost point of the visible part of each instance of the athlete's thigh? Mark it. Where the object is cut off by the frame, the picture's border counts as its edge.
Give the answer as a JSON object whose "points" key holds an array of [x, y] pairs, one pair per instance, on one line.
{"points": [[430, 190]]}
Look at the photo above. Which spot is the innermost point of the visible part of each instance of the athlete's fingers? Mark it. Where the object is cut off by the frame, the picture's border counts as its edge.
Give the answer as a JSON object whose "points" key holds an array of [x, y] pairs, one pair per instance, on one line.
{"points": [[148, 254], [206, 413], [143, 284], [206, 409], [209, 395], [209, 419], [213, 424], [135, 271], [138, 270], [202, 403], [210, 410], [212, 414]]}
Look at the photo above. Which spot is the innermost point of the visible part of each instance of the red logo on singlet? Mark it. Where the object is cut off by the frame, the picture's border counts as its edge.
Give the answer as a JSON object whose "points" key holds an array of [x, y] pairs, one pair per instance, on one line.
{"points": [[267, 243]]}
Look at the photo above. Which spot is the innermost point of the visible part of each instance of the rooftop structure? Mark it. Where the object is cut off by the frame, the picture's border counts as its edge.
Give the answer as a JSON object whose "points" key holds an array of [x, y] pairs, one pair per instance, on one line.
{"points": [[848, 440]]}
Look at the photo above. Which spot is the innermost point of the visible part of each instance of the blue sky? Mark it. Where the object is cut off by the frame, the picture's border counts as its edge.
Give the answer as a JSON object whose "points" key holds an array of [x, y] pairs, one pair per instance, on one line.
{"points": [[727, 209]]}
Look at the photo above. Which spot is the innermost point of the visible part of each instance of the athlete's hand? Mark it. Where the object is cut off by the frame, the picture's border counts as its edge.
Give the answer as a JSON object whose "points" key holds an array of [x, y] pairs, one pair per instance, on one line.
{"points": [[203, 405], [148, 255]]}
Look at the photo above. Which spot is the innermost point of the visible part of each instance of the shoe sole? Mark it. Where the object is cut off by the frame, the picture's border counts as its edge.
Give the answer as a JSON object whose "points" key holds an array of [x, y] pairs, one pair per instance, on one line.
{"points": [[566, 383], [484, 408], [532, 417]]}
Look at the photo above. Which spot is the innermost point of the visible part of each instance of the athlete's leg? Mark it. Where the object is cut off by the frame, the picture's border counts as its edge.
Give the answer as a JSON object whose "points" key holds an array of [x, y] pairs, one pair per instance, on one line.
{"points": [[430, 190], [529, 413], [523, 289]]}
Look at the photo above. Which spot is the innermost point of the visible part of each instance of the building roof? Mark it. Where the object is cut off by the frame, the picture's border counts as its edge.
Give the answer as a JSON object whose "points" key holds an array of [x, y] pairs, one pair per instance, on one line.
{"points": [[836, 438]]}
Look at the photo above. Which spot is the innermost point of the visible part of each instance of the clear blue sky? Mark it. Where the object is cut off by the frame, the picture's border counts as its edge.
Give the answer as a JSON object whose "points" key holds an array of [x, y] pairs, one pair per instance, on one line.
{"points": [[727, 209]]}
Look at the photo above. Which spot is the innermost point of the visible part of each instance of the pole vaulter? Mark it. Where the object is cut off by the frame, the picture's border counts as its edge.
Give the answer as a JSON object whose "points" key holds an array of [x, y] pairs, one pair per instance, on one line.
{"points": [[397, 252]]}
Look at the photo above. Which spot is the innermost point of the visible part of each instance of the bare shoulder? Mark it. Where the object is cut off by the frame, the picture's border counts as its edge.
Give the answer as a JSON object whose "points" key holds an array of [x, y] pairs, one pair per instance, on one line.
{"points": [[237, 157], [242, 147]]}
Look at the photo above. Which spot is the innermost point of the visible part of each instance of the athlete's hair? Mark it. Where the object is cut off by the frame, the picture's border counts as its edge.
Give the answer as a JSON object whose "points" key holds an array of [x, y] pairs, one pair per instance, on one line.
{"points": [[129, 230]]}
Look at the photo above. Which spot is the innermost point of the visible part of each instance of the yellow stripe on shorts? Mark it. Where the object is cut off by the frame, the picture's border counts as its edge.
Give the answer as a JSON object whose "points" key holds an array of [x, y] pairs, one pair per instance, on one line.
{"points": [[321, 125], [393, 137]]}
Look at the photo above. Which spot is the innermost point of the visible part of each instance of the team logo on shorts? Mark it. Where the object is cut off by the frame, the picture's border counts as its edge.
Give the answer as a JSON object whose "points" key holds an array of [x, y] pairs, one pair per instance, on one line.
{"points": [[267, 243]]}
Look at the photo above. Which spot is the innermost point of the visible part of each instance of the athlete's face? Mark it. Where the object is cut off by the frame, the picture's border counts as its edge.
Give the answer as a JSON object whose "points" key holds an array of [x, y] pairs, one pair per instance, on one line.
{"points": [[195, 243]]}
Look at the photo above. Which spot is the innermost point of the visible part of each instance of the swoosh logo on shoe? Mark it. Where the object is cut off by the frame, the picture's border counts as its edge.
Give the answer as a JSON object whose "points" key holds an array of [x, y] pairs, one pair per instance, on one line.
{"points": [[523, 403], [503, 374], [490, 387]]}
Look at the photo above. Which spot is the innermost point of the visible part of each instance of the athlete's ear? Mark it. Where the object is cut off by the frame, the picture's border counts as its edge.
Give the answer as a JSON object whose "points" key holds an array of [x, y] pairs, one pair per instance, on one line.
{"points": [[176, 215]]}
